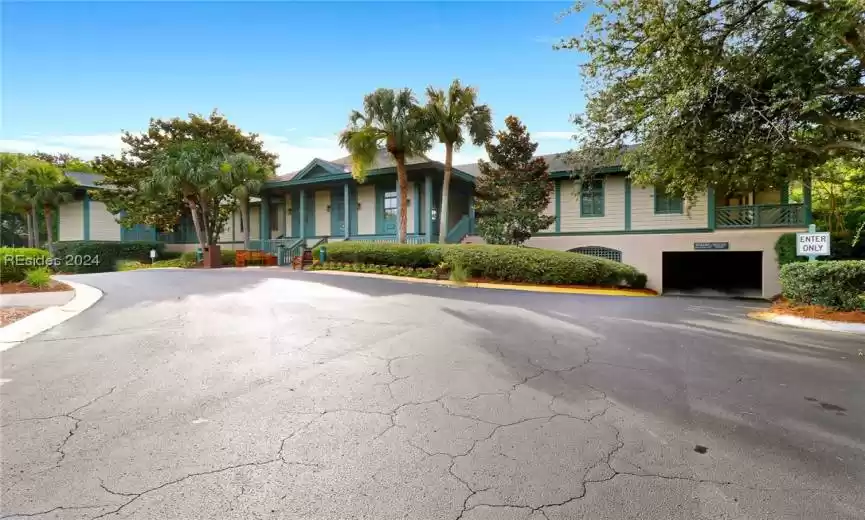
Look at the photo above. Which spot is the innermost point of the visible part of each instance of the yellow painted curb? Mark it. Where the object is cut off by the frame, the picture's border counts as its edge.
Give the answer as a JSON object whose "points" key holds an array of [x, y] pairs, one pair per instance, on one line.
{"points": [[483, 285]]}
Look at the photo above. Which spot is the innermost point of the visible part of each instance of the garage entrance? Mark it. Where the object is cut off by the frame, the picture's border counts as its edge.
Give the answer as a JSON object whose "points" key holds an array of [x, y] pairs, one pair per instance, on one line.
{"points": [[732, 273]]}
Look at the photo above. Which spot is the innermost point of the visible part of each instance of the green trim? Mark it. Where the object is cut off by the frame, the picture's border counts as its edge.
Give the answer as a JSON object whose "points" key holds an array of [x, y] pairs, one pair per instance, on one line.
{"points": [[264, 219], [558, 210], [428, 206], [607, 170], [596, 197], [415, 198], [326, 166], [85, 212], [302, 214], [711, 209], [298, 180], [627, 204], [625, 232], [785, 192], [337, 194], [346, 210], [380, 191], [666, 204]]}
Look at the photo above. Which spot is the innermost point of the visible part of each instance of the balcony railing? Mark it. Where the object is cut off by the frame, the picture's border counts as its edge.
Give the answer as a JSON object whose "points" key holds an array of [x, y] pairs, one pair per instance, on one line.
{"points": [[409, 239], [760, 216]]}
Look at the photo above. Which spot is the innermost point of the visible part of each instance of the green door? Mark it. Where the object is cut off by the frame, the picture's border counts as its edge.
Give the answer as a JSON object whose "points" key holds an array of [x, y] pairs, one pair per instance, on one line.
{"points": [[337, 213], [387, 207]]}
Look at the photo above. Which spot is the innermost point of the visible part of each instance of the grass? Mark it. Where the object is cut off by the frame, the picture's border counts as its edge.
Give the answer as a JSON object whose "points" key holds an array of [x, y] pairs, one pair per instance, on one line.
{"points": [[38, 278]]}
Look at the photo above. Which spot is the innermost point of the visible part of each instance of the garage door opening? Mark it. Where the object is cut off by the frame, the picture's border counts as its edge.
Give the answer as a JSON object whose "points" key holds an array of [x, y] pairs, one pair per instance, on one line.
{"points": [[730, 273]]}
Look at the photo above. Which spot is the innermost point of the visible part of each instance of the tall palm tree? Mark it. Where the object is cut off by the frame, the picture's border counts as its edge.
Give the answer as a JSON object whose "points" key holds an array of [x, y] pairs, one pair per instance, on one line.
{"points": [[39, 179], [450, 114], [245, 176], [50, 189], [393, 119]]}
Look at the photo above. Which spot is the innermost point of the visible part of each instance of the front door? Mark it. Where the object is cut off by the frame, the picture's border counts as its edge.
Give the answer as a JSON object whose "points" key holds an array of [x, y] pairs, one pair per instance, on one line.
{"points": [[388, 207], [337, 213]]}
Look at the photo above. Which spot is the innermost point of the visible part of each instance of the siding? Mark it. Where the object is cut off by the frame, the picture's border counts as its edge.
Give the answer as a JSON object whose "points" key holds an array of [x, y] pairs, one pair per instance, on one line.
{"points": [[102, 223], [551, 207], [643, 212], [225, 236], [366, 213], [614, 208], [254, 223], [71, 221], [322, 215]]}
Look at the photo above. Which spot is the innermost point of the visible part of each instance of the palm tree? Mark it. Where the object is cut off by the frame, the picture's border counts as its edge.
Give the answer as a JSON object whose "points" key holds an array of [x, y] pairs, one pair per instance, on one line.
{"points": [[449, 114], [50, 188], [391, 118], [39, 180], [245, 178]]}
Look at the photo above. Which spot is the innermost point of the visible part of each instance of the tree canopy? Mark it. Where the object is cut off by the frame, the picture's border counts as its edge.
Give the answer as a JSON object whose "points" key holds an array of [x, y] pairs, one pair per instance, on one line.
{"points": [[126, 174], [738, 93], [514, 189]]}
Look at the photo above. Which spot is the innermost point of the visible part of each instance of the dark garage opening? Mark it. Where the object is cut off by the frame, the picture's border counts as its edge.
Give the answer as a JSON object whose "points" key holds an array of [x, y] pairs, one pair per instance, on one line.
{"points": [[734, 273]]}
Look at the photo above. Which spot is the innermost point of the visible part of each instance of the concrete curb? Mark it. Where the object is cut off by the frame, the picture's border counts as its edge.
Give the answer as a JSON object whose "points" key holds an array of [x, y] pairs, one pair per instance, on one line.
{"points": [[809, 323], [482, 285], [36, 323]]}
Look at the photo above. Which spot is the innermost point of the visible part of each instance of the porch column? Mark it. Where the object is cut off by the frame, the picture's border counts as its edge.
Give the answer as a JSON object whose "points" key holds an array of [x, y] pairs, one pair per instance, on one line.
{"points": [[302, 213], [346, 221], [472, 214], [264, 218], [806, 200], [415, 197], [428, 197]]}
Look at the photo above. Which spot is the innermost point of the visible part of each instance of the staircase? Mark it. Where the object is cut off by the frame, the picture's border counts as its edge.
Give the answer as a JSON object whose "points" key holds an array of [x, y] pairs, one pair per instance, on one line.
{"points": [[304, 259]]}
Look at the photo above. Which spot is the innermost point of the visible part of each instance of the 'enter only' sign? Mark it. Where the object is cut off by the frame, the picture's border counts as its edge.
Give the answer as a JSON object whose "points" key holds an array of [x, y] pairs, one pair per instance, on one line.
{"points": [[812, 244]]}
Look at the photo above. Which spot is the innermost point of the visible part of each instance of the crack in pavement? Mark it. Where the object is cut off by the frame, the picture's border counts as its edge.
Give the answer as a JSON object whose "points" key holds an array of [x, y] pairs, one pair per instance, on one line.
{"points": [[58, 508]]}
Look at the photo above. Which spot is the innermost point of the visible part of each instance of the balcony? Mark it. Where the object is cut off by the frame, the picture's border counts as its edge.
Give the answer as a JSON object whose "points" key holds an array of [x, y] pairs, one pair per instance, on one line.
{"points": [[760, 216]]}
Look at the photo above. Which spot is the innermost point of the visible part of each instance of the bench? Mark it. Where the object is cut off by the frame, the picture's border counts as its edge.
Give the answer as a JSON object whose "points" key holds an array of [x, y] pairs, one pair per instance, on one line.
{"points": [[243, 258]]}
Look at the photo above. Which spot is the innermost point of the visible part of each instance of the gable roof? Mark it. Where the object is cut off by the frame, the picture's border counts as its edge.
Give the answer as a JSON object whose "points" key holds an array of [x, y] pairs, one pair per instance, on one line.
{"points": [[558, 164], [84, 179]]}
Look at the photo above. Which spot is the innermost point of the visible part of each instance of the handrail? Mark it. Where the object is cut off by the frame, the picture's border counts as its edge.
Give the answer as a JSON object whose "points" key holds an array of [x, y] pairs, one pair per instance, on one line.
{"points": [[760, 216], [322, 240], [459, 231]]}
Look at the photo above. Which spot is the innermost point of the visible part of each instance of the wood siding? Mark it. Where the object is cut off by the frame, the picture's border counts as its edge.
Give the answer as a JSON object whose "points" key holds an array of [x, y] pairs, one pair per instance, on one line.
{"points": [[614, 208], [254, 223], [366, 213], [322, 215], [71, 221], [643, 212], [102, 223], [551, 209]]}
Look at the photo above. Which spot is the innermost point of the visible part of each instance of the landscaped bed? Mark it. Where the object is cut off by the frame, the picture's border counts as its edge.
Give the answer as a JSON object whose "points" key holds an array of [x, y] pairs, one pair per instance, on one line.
{"points": [[12, 314], [832, 290], [816, 312], [482, 263], [26, 287]]}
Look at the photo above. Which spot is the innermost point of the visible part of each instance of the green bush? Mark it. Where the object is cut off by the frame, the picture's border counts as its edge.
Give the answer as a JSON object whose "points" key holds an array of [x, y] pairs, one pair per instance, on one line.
{"points": [[90, 256], [226, 256], [39, 277], [502, 263], [838, 284], [16, 261], [414, 272], [841, 248], [785, 248], [409, 255]]}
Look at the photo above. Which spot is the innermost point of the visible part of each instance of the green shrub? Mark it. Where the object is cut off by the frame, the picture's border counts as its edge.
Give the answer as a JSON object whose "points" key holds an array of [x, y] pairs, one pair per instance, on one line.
{"points": [[130, 265], [459, 273], [90, 256], [39, 277], [170, 255], [358, 252], [785, 248], [16, 261], [837, 284], [415, 272], [503, 263], [227, 257]]}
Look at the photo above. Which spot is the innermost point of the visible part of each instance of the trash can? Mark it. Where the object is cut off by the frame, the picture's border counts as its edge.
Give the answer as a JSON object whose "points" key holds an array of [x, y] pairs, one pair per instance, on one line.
{"points": [[199, 255], [280, 254], [322, 255]]}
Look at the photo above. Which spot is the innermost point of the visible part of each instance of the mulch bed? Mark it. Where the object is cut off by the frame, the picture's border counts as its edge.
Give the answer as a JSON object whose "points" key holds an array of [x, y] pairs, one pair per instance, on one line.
{"points": [[816, 312], [500, 282], [23, 287], [11, 314]]}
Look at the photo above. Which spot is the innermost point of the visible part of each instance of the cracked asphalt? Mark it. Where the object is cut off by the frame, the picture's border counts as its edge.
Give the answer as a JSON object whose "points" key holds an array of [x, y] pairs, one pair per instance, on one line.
{"points": [[265, 394]]}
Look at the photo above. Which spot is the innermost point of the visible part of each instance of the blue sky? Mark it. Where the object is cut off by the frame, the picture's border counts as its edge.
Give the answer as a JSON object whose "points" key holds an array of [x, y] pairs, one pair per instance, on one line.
{"points": [[75, 74]]}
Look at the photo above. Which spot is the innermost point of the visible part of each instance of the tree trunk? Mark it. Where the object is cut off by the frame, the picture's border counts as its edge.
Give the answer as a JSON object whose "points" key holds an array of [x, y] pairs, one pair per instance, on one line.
{"points": [[49, 225], [402, 177], [196, 223], [29, 223], [244, 225], [35, 218], [446, 187], [204, 221]]}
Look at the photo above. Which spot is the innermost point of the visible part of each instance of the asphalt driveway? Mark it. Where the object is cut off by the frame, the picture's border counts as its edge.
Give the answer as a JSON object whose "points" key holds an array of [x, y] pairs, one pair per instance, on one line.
{"points": [[270, 394]]}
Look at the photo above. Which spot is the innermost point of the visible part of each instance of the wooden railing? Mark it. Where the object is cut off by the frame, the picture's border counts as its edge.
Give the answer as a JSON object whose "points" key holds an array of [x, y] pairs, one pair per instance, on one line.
{"points": [[460, 230], [760, 216], [409, 239]]}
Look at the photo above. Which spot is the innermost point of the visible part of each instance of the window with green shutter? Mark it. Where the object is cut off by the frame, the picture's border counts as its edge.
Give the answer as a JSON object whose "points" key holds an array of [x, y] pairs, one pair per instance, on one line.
{"points": [[666, 204], [592, 198]]}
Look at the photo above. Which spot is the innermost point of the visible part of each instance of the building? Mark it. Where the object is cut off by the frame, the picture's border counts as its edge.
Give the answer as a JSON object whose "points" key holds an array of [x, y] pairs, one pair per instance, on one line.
{"points": [[722, 241]]}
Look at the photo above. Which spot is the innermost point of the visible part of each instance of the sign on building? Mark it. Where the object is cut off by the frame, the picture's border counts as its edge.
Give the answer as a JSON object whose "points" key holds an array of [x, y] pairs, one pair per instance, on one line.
{"points": [[812, 244]]}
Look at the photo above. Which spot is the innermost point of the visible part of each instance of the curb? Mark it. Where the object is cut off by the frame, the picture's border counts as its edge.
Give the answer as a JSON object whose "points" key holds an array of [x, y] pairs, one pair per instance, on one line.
{"points": [[36, 323], [809, 323], [484, 285]]}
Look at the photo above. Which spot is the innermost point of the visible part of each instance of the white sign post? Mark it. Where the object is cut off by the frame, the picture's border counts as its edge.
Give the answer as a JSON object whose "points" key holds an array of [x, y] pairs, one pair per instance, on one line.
{"points": [[152, 255], [812, 244]]}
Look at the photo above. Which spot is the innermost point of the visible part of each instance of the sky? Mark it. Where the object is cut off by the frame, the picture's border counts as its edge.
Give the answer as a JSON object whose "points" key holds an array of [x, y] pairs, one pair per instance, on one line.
{"points": [[74, 74]]}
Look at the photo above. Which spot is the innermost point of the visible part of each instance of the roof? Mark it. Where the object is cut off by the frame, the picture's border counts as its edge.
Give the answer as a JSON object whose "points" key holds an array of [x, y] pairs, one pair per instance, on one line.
{"points": [[84, 179], [557, 163]]}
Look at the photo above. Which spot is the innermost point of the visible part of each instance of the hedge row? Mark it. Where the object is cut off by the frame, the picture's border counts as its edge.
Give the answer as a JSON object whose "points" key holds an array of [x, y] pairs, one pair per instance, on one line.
{"points": [[16, 261], [89, 256], [393, 270], [838, 285], [502, 263]]}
